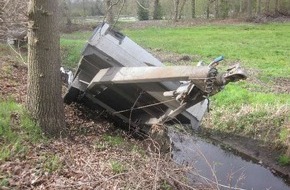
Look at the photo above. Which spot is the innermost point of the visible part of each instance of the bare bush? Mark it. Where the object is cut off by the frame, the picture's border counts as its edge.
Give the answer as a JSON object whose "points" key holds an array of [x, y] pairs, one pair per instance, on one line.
{"points": [[13, 19]]}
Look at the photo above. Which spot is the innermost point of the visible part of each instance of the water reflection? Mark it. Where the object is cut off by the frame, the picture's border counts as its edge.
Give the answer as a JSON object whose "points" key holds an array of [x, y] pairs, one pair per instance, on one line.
{"points": [[214, 165]]}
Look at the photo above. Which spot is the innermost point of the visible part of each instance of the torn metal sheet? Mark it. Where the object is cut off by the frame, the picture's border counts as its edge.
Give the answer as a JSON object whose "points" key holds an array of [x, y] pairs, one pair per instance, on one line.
{"points": [[117, 75]]}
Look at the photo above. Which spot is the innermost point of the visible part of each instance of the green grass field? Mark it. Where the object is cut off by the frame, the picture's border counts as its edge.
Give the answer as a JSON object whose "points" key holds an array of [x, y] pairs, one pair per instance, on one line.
{"points": [[265, 47], [258, 107], [71, 47]]}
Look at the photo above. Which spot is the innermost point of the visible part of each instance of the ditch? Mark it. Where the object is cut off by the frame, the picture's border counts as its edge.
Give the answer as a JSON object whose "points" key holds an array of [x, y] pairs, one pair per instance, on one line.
{"points": [[222, 166]]}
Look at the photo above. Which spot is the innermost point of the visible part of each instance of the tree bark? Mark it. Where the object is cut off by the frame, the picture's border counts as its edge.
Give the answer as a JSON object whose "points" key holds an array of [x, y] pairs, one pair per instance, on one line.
{"points": [[193, 9], [44, 101], [176, 5]]}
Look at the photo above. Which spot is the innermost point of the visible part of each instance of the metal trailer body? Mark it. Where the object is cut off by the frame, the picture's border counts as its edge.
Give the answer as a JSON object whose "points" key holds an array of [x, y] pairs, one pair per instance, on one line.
{"points": [[117, 75]]}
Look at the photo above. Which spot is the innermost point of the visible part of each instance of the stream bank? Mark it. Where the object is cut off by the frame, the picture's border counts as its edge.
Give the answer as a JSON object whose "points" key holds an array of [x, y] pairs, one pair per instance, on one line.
{"points": [[255, 150]]}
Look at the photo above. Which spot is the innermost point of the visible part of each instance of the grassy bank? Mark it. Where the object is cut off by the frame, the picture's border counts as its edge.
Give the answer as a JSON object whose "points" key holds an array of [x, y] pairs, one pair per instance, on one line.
{"points": [[258, 108]]}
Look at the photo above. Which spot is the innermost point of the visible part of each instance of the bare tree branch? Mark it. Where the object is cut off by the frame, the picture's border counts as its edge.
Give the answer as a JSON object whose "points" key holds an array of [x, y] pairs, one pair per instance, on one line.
{"points": [[119, 13], [140, 4]]}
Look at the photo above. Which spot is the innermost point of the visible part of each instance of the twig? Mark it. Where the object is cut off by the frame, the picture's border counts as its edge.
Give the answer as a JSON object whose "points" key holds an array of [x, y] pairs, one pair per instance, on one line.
{"points": [[207, 162], [114, 176], [119, 13], [141, 5], [213, 173], [146, 106], [18, 54], [157, 164], [221, 185], [132, 108], [181, 183], [87, 164], [111, 6]]}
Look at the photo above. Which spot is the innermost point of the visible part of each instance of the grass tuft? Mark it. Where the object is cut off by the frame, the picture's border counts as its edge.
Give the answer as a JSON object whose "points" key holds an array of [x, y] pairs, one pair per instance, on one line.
{"points": [[264, 122], [117, 167], [113, 140], [284, 160], [16, 129], [52, 163]]}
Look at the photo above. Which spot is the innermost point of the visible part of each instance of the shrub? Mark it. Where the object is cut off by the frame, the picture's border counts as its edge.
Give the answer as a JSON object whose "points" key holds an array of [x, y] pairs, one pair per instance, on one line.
{"points": [[142, 11]]}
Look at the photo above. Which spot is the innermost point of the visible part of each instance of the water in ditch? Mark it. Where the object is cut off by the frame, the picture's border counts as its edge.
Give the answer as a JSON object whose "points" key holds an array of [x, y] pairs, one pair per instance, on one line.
{"points": [[221, 168]]}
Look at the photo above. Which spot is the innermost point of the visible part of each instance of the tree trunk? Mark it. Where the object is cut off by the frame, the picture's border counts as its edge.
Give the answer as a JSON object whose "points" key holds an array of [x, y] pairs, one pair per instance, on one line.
{"points": [[157, 15], [176, 5], [259, 7], [267, 7], [98, 7], [217, 9], [155, 10], [44, 101], [207, 9], [181, 9], [224, 9], [110, 15], [84, 9], [241, 6], [67, 12], [276, 7], [193, 9], [250, 8]]}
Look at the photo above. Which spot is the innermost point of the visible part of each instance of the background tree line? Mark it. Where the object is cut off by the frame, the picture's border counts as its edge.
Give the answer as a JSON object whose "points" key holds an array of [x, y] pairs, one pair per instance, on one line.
{"points": [[178, 9], [13, 13]]}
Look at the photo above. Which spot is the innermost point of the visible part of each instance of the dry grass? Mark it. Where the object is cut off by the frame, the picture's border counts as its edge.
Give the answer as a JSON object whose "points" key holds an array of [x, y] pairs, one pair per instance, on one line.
{"points": [[260, 122]]}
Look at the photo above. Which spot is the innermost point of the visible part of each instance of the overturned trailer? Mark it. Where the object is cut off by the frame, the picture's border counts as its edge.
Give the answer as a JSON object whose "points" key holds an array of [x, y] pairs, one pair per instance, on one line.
{"points": [[117, 75]]}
